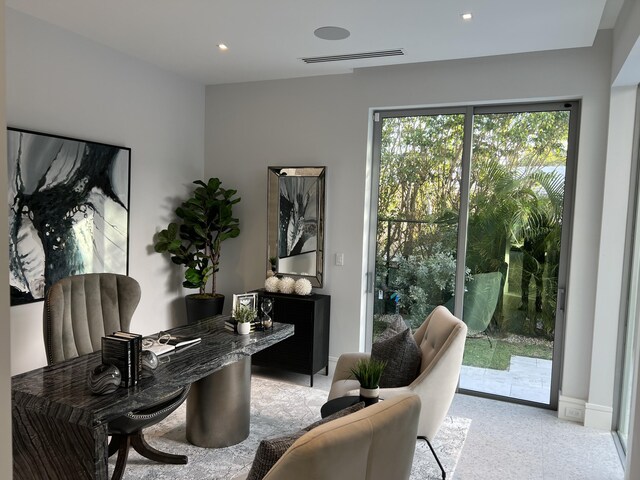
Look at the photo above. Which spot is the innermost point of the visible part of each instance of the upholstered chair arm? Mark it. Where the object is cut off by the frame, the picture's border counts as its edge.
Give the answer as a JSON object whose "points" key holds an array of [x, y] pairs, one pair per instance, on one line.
{"points": [[346, 362], [343, 382], [137, 420], [158, 411]]}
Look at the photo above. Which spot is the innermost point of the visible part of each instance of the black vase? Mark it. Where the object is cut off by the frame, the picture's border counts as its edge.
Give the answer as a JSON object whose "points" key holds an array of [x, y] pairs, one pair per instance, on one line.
{"points": [[199, 307]]}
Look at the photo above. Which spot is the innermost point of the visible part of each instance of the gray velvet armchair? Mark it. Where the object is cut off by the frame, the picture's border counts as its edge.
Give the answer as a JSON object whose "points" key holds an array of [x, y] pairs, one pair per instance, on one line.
{"points": [[78, 312]]}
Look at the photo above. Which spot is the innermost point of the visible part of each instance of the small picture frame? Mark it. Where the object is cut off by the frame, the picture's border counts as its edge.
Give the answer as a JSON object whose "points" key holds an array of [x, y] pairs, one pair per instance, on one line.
{"points": [[248, 299]]}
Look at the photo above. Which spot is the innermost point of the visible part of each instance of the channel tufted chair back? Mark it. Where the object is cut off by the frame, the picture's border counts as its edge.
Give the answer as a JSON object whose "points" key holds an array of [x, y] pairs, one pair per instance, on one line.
{"points": [[81, 309]]}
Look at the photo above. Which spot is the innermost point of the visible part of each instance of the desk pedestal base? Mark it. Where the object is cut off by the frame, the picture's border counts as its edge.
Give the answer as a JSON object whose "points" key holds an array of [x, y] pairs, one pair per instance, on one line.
{"points": [[218, 407]]}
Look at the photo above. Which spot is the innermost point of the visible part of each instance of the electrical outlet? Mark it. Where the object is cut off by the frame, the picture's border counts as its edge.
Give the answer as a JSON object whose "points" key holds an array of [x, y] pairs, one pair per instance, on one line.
{"points": [[339, 259], [573, 413]]}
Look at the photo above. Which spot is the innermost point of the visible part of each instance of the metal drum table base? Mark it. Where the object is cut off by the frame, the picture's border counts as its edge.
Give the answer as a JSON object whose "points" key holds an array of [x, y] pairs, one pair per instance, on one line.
{"points": [[218, 407]]}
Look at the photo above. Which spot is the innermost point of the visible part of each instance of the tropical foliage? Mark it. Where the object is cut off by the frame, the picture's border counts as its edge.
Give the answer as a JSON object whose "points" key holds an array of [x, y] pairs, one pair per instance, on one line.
{"points": [[516, 186]]}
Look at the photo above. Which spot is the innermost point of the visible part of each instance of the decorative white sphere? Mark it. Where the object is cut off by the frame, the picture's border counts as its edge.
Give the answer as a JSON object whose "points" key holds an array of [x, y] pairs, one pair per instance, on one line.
{"points": [[303, 286], [287, 284], [272, 284]]}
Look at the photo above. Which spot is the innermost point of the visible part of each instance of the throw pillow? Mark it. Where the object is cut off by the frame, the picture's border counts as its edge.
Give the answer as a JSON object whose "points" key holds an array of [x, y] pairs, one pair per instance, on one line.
{"points": [[403, 357], [270, 450], [340, 413], [395, 326]]}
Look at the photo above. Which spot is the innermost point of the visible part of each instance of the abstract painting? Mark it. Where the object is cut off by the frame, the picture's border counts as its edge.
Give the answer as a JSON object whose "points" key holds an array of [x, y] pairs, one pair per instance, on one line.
{"points": [[298, 215], [68, 210]]}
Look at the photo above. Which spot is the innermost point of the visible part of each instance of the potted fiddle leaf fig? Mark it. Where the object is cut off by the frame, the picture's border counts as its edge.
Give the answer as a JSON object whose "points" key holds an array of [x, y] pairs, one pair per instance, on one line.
{"points": [[195, 240]]}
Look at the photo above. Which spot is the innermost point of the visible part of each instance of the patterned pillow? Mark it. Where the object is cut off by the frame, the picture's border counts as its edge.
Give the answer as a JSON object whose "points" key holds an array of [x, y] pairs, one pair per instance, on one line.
{"points": [[270, 450], [403, 357], [340, 413], [395, 326]]}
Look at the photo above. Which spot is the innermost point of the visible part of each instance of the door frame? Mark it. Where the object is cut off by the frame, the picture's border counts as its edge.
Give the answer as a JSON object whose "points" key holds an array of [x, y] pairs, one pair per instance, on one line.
{"points": [[574, 107]]}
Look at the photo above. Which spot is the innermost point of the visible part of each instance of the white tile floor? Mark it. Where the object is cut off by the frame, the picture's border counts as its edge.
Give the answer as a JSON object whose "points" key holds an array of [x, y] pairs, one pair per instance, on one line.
{"points": [[527, 379], [509, 441], [515, 442]]}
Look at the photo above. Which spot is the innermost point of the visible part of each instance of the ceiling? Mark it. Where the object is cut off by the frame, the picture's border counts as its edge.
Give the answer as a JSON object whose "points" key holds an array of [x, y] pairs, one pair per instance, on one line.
{"points": [[268, 38]]}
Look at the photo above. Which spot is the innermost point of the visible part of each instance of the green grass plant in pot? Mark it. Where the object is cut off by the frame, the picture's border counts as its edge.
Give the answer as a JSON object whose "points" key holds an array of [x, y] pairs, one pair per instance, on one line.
{"points": [[194, 241], [368, 373], [244, 315]]}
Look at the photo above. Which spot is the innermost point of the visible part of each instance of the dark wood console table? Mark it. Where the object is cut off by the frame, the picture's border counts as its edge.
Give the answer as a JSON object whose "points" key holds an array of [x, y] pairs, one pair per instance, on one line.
{"points": [[308, 350], [60, 428]]}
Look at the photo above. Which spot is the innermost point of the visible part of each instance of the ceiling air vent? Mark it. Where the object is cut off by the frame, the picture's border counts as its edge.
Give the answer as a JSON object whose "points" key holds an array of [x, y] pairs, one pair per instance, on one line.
{"points": [[354, 56]]}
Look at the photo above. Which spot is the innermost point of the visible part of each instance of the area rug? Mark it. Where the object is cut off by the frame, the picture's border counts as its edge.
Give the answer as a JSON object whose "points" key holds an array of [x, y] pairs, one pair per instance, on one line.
{"points": [[276, 408]]}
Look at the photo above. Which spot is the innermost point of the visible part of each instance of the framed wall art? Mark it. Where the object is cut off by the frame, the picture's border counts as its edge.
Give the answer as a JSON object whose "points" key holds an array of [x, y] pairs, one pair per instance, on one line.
{"points": [[68, 210]]}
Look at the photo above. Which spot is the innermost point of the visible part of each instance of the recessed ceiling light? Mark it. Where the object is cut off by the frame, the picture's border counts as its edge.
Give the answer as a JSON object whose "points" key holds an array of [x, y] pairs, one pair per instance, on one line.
{"points": [[467, 16], [331, 33], [223, 47]]}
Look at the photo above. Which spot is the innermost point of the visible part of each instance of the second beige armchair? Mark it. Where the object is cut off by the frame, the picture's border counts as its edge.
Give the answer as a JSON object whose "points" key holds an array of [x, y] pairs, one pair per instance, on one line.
{"points": [[441, 339]]}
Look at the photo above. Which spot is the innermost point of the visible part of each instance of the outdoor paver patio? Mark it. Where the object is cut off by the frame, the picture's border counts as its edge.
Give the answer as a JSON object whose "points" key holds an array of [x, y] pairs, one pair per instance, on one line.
{"points": [[525, 379]]}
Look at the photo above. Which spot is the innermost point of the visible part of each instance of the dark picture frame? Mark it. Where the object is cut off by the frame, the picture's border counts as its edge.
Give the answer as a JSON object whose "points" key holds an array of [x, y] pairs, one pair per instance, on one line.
{"points": [[295, 230], [69, 203], [245, 299]]}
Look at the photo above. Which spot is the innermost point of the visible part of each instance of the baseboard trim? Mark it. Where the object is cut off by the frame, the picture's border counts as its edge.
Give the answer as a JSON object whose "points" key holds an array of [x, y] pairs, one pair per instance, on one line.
{"points": [[598, 416], [572, 409]]}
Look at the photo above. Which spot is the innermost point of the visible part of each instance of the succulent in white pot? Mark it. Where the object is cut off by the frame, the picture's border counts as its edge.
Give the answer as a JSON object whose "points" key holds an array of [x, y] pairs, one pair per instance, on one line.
{"points": [[244, 315]]}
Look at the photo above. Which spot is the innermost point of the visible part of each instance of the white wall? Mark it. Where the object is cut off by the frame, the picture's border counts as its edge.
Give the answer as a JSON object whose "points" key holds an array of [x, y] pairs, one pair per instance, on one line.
{"points": [[63, 84], [599, 411], [6, 470], [625, 57], [324, 121]]}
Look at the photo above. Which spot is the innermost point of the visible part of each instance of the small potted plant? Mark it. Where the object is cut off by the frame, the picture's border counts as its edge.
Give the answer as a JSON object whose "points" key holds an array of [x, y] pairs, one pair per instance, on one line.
{"points": [[368, 373], [244, 315], [273, 262]]}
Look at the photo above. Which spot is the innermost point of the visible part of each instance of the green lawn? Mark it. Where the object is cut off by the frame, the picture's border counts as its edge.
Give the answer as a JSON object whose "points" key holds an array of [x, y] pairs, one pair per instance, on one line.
{"points": [[478, 353]]}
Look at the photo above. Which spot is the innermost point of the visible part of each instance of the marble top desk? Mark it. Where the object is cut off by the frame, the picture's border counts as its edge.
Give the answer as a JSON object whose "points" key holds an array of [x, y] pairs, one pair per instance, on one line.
{"points": [[60, 428]]}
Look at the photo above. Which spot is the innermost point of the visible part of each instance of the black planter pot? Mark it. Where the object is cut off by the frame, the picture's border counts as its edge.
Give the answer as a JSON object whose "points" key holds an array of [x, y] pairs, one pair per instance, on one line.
{"points": [[199, 307]]}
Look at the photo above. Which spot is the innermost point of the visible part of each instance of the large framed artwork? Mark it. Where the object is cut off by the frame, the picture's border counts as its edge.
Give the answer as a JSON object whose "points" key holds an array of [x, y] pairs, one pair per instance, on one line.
{"points": [[68, 210], [295, 231]]}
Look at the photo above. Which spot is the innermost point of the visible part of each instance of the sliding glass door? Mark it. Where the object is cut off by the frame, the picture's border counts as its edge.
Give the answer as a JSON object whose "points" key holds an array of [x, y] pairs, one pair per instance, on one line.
{"points": [[471, 211], [628, 341]]}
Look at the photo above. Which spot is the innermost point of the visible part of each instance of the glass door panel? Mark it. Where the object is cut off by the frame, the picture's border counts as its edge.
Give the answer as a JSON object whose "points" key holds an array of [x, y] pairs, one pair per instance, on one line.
{"points": [[418, 204], [513, 252], [632, 317], [626, 386]]}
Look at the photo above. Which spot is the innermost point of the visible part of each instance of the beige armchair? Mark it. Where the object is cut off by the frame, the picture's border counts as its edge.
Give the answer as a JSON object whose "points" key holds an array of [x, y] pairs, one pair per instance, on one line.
{"points": [[441, 339], [375, 443], [80, 310]]}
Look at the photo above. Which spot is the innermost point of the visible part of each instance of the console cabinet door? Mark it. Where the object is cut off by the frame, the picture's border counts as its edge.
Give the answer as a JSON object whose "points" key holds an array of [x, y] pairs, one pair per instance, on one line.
{"points": [[307, 351]]}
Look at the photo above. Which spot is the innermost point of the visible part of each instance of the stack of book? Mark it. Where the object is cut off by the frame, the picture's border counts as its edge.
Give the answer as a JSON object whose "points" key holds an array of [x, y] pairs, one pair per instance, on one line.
{"points": [[123, 349], [232, 325]]}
